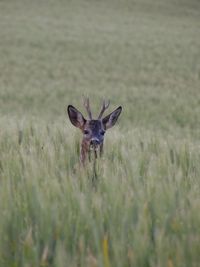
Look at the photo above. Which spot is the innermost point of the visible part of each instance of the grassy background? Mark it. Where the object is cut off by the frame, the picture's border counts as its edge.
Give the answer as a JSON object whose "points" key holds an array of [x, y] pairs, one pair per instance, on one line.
{"points": [[144, 208]]}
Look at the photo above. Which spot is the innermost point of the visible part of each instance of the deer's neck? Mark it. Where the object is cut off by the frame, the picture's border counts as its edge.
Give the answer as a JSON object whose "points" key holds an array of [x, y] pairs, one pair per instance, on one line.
{"points": [[84, 151]]}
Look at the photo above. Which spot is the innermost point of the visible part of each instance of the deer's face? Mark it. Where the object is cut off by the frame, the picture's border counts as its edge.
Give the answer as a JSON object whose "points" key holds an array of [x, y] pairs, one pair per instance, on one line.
{"points": [[93, 133], [93, 130]]}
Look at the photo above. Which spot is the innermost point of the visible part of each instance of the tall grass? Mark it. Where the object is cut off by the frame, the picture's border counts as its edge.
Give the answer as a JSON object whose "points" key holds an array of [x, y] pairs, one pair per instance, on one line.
{"points": [[141, 206], [141, 211]]}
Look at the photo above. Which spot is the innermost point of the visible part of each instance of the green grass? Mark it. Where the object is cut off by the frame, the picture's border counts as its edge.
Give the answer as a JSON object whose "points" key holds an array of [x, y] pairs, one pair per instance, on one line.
{"points": [[143, 210]]}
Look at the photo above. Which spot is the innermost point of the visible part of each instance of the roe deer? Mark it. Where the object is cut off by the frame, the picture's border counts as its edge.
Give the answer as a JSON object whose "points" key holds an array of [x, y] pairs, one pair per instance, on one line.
{"points": [[93, 129]]}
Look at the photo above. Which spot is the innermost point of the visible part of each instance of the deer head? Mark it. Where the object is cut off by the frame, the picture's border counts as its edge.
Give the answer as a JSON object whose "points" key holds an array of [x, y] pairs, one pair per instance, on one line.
{"points": [[93, 129]]}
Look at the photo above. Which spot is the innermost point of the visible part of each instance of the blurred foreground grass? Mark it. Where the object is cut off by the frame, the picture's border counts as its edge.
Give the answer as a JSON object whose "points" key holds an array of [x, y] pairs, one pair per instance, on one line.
{"points": [[143, 209]]}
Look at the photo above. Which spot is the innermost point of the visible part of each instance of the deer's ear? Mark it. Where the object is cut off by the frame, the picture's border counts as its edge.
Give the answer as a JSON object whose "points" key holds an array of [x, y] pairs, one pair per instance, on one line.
{"points": [[110, 120], [76, 117]]}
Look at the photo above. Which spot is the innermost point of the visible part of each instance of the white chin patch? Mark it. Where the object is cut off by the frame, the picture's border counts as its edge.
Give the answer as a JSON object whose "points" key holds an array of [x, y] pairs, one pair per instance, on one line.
{"points": [[94, 147]]}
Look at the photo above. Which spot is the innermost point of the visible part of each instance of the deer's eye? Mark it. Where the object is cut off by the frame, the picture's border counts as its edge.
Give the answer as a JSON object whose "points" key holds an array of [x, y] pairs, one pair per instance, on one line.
{"points": [[86, 132], [102, 132]]}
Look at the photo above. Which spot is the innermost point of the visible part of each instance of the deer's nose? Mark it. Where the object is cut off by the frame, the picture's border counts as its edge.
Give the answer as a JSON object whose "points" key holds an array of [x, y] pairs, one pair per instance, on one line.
{"points": [[94, 142]]}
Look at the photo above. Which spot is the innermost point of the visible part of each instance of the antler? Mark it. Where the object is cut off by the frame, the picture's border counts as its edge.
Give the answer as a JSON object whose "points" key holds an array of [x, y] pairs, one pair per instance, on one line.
{"points": [[105, 105], [86, 103]]}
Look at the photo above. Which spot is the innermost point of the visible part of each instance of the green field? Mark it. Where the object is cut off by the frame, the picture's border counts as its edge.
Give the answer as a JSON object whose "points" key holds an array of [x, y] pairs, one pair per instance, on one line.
{"points": [[143, 210]]}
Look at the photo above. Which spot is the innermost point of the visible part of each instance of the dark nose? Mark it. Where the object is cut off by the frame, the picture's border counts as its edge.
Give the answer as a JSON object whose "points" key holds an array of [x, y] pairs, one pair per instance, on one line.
{"points": [[94, 142]]}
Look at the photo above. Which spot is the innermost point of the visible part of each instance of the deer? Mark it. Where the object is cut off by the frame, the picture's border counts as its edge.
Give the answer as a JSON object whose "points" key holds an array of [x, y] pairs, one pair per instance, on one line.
{"points": [[93, 130]]}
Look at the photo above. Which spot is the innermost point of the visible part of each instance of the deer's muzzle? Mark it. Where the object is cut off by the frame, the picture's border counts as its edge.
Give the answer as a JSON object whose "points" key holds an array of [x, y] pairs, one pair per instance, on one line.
{"points": [[94, 143]]}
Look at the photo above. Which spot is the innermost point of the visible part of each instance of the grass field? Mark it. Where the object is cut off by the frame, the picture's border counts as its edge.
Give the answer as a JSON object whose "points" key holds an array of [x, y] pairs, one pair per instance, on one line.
{"points": [[143, 209]]}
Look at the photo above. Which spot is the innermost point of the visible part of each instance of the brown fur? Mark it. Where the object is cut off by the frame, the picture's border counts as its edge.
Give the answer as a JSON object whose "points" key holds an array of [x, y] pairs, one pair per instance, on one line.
{"points": [[93, 130]]}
